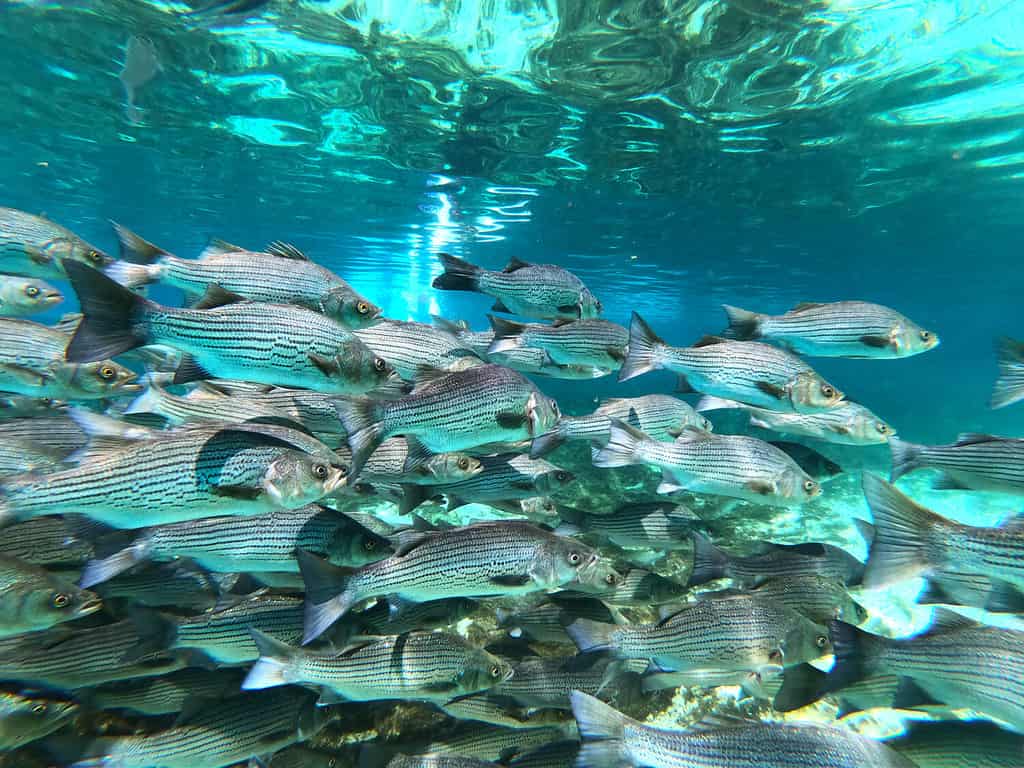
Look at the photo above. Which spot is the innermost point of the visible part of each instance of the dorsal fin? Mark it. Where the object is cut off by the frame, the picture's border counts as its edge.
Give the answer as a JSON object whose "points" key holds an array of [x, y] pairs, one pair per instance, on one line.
{"points": [[215, 296], [803, 306], [223, 246], [426, 374], [285, 251], [516, 263], [975, 438], [563, 322], [707, 341]]}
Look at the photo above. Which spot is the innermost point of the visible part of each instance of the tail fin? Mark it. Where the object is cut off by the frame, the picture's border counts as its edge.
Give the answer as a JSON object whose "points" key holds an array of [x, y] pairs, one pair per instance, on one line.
{"points": [[903, 537], [507, 335], [712, 403], [275, 666], [1009, 387], [327, 596], [644, 351], [150, 401], [359, 416], [624, 446], [801, 685], [854, 651], [158, 633], [136, 249], [549, 441], [905, 457], [110, 315], [743, 325], [459, 275], [602, 730], [104, 569], [709, 562], [133, 275], [591, 636]]}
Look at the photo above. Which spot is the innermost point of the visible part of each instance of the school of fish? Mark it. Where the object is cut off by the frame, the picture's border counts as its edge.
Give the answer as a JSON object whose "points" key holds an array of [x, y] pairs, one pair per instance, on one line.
{"points": [[268, 526]]}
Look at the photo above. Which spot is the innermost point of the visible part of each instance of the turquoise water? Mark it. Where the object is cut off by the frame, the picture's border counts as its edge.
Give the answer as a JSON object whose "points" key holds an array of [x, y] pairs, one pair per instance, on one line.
{"points": [[674, 154]]}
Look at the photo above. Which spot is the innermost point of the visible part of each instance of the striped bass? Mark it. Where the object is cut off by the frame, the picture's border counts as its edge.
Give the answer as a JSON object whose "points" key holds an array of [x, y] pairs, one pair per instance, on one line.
{"points": [[409, 347], [974, 462], [590, 341], [34, 246], [1009, 387], [21, 296]]}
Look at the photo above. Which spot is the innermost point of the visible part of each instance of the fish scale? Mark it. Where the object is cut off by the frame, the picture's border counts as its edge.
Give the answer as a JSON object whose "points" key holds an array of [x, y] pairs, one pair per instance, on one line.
{"points": [[166, 695], [54, 430], [201, 406], [506, 477], [580, 342], [224, 635], [45, 541], [979, 462], [660, 417], [547, 681], [411, 346], [493, 742]]}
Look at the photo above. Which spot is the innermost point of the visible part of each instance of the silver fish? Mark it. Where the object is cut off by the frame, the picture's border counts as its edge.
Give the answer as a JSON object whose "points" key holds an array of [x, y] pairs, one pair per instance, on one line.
{"points": [[508, 477], [974, 462], [34, 246], [32, 598], [23, 719], [661, 525], [748, 371], [1009, 387], [401, 460], [543, 291], [203, 405], [168, 694], [409, 347], [837, 329], [960, 745], [594, 342], [21, 296]]}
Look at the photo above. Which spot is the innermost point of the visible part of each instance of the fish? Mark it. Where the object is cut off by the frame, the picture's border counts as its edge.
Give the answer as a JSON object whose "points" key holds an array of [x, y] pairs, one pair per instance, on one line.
{"points": [[739, 634], [975, 462], [545, 682], [820, 598], [1009, 386], [820, 467], [54, 430], [57, 658], [727, 465], [492, 742], [176, 586], [141, 65], [433, 760], [410, 347], [541, 291], [425, 666], [508, 477], [557, 754], [477, 560], [660, 417], [405, 460], [848, 424], [960, 745], [32, 363], [749, 371], [33, 599], [937, 661], [546, 622], [971, 589], [591, 341], [612, 739], [168, 694], [636, 587], [316, 411], [452, 411], [299, 756], [19, 457], [253, 544], [836, 329], [225, 337], [204, 406], [770, 561], [27, 718], [34, 246], [218, 734], [23, 296], [496, 710], [56, 541], [911, 540], [237, 469], [280, 274], [662, 526]]}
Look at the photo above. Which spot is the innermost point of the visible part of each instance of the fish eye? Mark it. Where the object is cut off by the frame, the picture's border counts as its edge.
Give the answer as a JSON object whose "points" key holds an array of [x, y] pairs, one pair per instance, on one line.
{"points": [[362, 307], [882, 427], [39, 709], [828, 390], [369, 545], [107, 372], [810, 485], [464, 463], [61, 600], [926, 336], [561, 476], [821, 641], [611, 579], [575, 558], [31, 291], [380, 364], [495, 671], [94, 257], [332, 762], [320, 471]]}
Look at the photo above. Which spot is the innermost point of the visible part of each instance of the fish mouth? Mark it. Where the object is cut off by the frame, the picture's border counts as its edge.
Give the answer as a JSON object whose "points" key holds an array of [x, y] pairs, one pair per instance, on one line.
{"points": [[130, 387], [338, 480], [90, 606], [51, 298]]}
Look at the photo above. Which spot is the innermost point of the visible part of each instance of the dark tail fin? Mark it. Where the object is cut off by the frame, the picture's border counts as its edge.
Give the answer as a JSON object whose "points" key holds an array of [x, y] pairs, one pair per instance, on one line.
{"points": [[591, 636], [743, 325], [602, 730], [1009, 387], [459, 275], [642, 355], [801, 685], [359, 416], [158, 633], [546, 443], [904, 457], [903, 535], [110, 315], [327, 596], [275, 666], [709, 562], [853, 649]]}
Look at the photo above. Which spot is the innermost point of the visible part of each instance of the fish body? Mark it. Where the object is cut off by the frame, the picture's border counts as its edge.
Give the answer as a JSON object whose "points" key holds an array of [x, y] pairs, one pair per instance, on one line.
{"points": [[53, 541], [610, 738], [557, 754], [546, 622], [659, 526], [33, 599], [542, 291], [24, 456], [275, 344], [399, 460], [22, 296], [636, 587], [204, 406], [660, 417], [410, 347], [490, 558], [55, 430], [749, 371], [166, 695], [251, 544], [961, 745], [508, 477], [453, 411], [727, 465], [974, 462], [174, 586], [23, 719], [280, 275], [316, 411], [483, 708], [32, 363], [836, 329], [847, 424], [428, 666], [492, 742], [911, 540], [1009, 386], [187, 475], [594, 342], [34, 246], [547, 681]]}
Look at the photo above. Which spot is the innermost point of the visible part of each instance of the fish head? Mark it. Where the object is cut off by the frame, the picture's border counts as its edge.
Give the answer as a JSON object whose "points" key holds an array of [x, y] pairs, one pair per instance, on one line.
{"points": [[796, 486], [809, 392], [868, 428], [296, 478], [483, 670], [102, 378], [590, 306], [805, 642], [51, 602], [599, 575], [355, 546], [542, 413], [560, 560], [349, 308], [539, 508], [27, 296], [907, 339], [32, 714], [78, 250], [361, 370], [553, 480], [452, 467]]}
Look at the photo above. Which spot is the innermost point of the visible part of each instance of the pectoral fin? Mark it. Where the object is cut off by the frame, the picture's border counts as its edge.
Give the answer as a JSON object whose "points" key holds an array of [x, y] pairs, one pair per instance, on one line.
{"points": [[762, 487], [510, 580], [239, 492], [772, 389], [879, 342]]}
